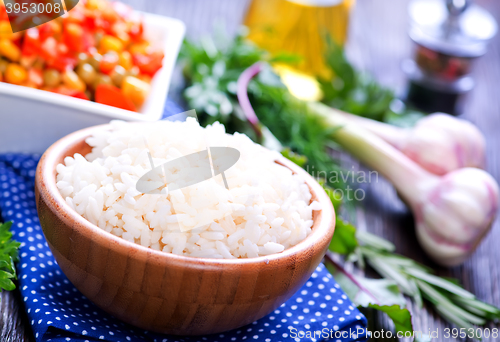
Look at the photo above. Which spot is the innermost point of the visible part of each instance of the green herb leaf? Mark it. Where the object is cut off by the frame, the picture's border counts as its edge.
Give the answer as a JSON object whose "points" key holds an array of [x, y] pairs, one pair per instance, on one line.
{"points": [[379, 294], [8, 255], [334, 198], [440, 282], [476, 307], [298, 159], [6, 281], [344, 239], [401, 317], [358, 93], [212, 68], [447, 309], [374, 241]]}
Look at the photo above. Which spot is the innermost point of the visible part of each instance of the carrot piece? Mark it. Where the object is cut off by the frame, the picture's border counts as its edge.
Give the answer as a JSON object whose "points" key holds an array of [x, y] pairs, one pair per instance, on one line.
{"points": [[113, 96]]}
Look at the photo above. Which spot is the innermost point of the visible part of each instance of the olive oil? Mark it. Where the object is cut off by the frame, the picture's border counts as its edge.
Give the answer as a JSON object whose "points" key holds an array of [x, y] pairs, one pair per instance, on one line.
{"points": [[299, 27]]}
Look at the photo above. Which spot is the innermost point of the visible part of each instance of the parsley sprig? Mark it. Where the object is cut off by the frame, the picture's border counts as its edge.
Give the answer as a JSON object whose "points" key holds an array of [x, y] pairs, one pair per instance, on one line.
{"points": [[8, 256], [455, 304], [212, 69]]}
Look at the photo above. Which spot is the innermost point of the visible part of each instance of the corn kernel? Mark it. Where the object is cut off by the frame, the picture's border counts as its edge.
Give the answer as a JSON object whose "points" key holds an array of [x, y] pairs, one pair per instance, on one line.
{"points": [[145, 78], [125, 60], [71, 80], [140, 48], [75, 31], [95, 4], [110, 43], [5, 30], [3, 65], [55, 26], [27, 62], [135, 89], [15, 74], [9, 50]]}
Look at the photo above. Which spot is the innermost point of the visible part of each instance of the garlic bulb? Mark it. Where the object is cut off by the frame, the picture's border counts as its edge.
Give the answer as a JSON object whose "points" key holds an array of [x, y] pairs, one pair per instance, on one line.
{"points": [[452, 212], [456, 213]]}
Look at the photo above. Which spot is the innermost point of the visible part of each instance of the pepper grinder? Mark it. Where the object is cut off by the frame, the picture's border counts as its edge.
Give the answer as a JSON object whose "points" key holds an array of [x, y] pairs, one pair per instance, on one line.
{"points": [[448, 35]]}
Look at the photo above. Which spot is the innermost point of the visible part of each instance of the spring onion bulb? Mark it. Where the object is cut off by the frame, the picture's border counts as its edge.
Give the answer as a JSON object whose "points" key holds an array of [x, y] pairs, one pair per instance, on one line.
{"points": [[439, 142]]}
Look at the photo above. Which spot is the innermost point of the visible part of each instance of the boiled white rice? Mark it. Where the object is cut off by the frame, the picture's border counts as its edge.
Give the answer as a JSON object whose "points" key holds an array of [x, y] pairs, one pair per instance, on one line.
{"points": [[265, 210]]}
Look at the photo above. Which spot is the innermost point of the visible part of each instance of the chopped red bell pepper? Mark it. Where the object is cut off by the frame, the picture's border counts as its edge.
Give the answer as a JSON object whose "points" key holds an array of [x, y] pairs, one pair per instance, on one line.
{"points": [[108, 63], [88, 41], [148, 64], [3, 14], [35, 77], [136, 31], [62, 63], [113, 96], [48, 49], [73, 37], [31, 42], [50, 29], [75, 16]]}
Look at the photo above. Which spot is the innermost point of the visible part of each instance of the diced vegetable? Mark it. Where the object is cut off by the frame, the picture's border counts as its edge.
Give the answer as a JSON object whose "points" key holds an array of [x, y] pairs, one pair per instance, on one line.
{"points": [[87, 73], [108, 63], [118, 75], [125, 60], [96, 43], [51, 78], [95, 59], [135, 90], [5, 30], [3, 65], [73, 37], [72, 81], [110, 43], [31, 44], [113, 96], [102, 79], [15, 74], [139, 48], [35, 77], [48, 49], [148, 64], [9, 50]]}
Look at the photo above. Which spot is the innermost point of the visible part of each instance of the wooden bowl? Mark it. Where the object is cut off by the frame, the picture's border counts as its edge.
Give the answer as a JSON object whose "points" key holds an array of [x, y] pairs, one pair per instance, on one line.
{"points": [[164, 292]]}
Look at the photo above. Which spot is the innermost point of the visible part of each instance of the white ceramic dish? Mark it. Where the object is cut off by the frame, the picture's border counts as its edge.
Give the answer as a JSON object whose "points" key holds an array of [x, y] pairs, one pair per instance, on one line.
{"points": [[31, 120]]}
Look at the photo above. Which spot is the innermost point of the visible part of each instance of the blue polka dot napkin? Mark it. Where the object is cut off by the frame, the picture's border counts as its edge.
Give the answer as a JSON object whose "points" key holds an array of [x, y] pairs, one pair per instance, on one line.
{"points": [[59, 312]]}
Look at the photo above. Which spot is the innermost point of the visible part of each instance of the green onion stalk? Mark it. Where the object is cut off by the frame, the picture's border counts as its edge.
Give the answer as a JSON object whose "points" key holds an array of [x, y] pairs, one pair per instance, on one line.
{"points": [[440, 143], [453, 212]]}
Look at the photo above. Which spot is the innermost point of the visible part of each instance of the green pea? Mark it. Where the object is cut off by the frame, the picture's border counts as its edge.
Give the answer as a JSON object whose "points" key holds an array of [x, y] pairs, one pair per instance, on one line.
{"points": [[51, 78]]}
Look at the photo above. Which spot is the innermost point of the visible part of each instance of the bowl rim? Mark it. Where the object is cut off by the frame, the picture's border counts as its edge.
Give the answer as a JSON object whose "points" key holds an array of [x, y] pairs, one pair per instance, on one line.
{"points": [[47, 188]]}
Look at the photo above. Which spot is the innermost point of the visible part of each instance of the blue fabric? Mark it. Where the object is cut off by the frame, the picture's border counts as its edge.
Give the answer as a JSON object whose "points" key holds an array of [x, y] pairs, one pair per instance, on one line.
{"points": [[59, 312]]}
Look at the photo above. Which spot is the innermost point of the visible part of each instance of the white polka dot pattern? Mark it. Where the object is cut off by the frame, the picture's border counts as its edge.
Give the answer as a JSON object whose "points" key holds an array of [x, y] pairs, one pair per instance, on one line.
{"points": [[59, 312]]}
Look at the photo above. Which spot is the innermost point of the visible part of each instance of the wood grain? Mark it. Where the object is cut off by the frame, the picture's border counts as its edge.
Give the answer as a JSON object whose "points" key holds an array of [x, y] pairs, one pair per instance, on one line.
{"points": [[14, 326], [378, 43]]}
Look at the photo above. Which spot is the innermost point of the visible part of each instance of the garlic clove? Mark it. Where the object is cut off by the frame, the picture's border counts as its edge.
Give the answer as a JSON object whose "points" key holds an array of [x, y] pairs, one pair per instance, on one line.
{"points": [[455, 215], [441, 143]]}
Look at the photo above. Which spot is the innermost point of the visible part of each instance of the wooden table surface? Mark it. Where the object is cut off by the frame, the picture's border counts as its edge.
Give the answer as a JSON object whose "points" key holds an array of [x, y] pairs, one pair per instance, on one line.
{"points": [[378, 43]]}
